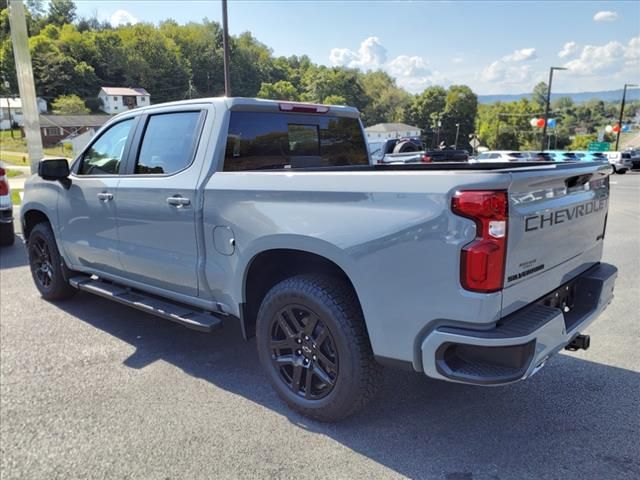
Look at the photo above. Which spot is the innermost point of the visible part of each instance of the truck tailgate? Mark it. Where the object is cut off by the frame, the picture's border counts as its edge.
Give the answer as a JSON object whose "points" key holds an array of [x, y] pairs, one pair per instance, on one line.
{"points": [[556, 228]]}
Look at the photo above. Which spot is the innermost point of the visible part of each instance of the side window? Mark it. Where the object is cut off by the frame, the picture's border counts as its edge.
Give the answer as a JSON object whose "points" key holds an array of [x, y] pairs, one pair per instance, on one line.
{"points": [[105, 155], [168, 143]]}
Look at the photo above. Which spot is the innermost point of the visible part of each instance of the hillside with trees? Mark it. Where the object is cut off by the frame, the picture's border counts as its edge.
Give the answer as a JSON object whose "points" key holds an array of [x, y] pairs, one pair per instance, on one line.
{"points": [[77, 56]]}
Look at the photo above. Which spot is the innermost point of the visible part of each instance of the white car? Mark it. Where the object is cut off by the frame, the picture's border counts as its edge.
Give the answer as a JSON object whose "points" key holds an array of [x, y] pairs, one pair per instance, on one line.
{"points": [[499, 156], [620, 161], [7, 236]]}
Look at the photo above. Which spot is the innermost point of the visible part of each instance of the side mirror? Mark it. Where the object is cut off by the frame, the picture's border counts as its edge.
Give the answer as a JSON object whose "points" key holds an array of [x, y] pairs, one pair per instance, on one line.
{"points": [[55, 169]]}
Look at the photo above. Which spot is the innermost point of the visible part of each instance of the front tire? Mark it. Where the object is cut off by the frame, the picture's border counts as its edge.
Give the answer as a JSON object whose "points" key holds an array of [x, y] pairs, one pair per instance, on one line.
{"points": [[47, 265], [313, 343]]}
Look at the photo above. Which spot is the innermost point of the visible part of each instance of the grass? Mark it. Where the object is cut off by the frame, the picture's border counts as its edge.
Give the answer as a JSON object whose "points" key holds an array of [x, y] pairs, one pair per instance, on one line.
{"points": [[15, 197], [14, 150], [13, 173]]}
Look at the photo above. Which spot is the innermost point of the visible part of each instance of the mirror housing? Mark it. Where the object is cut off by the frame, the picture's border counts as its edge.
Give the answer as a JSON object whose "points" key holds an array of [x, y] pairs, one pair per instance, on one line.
{"points": [[55, 169]]}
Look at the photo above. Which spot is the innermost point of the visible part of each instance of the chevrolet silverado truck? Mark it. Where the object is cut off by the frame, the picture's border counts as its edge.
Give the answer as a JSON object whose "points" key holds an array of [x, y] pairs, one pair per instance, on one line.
{"points": [[270, 214]]}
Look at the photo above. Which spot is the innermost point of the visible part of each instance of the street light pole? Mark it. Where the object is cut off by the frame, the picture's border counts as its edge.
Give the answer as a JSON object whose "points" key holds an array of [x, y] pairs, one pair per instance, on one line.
{"points": [[546, 107], [624, 97], [455, 145], [225, 48]]}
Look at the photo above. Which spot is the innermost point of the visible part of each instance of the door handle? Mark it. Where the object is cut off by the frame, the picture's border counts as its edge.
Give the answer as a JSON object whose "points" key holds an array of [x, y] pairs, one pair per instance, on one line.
{"points": [[178, 201], [105, 196]]}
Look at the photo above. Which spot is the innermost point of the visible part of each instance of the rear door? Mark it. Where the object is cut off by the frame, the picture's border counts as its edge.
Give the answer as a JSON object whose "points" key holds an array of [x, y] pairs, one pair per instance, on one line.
{"points": [[157, 201], [556, 228]]}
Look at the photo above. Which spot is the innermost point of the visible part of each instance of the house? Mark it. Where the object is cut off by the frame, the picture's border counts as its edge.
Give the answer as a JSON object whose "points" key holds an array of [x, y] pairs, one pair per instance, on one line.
{"points": [[11, 111], [54, 128], [384, 131], [119, 99]]}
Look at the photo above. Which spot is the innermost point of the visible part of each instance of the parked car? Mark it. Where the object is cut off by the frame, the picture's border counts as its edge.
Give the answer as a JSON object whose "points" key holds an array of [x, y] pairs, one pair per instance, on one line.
{"points": [[635, 157], [270, 215], [621, 161], [7, 234], [498, 156]]}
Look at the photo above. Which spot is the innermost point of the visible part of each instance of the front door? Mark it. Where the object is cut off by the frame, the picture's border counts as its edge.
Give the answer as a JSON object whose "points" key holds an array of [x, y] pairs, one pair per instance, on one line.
{"points": [[156, 202], [87, 210]]}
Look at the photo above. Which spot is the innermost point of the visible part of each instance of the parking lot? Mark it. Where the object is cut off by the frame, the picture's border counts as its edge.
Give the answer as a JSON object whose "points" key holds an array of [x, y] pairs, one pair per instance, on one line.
{"points": [[92, 389]]}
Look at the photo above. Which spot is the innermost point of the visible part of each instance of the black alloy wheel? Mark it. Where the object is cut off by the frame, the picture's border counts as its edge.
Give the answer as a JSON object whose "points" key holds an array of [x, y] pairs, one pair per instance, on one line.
{"points": [[303, 352]]}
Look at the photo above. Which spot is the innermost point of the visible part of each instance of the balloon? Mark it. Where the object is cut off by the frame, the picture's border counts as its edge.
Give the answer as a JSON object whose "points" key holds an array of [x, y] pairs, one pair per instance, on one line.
{"points": [[608, 129], [540, 122], [626, 128], [551, 123], [533, 122], [616, 128]]}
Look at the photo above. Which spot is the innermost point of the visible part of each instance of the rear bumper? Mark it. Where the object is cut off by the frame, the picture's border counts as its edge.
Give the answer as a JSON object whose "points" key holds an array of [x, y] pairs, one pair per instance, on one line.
{"points": [[6, 214], [521, 343]]}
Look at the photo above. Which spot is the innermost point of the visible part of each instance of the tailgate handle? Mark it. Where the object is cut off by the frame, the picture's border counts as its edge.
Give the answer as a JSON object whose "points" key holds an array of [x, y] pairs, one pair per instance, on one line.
{"points": [[578, 180]]}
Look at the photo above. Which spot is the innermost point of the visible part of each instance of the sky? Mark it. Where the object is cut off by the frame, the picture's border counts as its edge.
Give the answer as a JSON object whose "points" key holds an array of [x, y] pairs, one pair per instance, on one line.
{"points": [[495, 47]]}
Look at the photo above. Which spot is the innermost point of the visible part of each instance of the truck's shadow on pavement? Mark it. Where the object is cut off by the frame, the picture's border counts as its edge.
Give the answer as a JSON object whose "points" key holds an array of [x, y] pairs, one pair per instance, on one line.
{"points": [[576, 415]]}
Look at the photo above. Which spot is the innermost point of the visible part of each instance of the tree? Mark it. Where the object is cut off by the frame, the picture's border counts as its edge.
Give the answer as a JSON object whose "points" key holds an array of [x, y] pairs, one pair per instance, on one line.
{"points": [[387, 102], [426, 106], [461, 108], [581, 142], [61, 12], [334, 100], [281, 90], [69, 105], [539, 94]]}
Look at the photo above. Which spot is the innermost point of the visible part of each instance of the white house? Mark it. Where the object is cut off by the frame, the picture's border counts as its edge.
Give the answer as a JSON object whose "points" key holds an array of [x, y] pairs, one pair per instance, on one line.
{"points": [[384, 131], [119, 99], [11, 111]]}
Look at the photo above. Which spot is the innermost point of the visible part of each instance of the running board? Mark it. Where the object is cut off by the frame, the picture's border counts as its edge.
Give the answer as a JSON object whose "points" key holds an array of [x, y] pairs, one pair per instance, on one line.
{"points": [[184, 315]]}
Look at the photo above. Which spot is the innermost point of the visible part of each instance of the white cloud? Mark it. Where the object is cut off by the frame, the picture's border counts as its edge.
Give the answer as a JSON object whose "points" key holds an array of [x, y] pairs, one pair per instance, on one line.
{"points": [[457, 60], [608, 58], [605, 16], [122, 17], [521, 55], [509, 69], [371, 55], [411, 71], [568, 50], [406, 66]]}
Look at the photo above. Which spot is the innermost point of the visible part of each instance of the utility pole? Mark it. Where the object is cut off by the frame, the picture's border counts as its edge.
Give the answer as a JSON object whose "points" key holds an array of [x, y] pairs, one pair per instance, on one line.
{"points": [[624, 97], [10, 119], [225, 47], [455, 145], [24, 72], [546, 107]]}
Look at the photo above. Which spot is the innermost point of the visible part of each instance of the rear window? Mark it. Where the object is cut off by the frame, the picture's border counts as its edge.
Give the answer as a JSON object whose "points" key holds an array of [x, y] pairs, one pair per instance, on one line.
{"points": [[517, 155], [262, 141]]}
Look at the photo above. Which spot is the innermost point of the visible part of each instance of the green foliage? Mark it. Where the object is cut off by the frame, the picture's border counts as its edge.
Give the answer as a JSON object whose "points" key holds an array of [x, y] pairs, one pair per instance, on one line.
{"points": [[69, 105], [581, 142], [61, 12], [335, 100], [281, 90], [540, 94]]}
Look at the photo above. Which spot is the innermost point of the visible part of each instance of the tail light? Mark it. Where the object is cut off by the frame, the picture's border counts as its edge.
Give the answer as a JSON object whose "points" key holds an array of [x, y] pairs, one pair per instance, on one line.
{"points": [[483, 260], [426, 159], [4, 186]]}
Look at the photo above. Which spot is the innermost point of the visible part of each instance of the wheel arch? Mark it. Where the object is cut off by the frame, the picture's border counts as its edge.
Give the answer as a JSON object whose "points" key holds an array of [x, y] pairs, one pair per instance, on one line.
{"points": [[31, 218], [269, 267]]}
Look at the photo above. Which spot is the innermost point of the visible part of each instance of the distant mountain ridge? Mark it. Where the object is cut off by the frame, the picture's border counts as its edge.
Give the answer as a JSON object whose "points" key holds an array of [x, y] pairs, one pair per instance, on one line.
{"points": [[606, 96]]}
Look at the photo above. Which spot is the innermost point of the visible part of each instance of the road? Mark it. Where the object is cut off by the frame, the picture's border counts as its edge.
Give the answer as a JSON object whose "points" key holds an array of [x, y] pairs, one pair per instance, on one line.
{"points": [[91, 389]]}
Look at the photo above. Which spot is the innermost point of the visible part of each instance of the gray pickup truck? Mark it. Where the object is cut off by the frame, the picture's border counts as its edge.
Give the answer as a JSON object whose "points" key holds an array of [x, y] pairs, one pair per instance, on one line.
{"points": [[270, 214]]}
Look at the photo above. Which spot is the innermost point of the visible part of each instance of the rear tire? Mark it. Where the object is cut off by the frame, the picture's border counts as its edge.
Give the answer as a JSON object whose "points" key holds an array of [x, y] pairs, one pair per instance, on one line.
{"points": [[47, 267], [313, 343], [621, 172], [7, 234]]}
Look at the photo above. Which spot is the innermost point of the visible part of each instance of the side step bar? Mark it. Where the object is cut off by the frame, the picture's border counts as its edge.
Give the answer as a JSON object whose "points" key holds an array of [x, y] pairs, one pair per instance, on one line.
{"points": [[184, 315]]}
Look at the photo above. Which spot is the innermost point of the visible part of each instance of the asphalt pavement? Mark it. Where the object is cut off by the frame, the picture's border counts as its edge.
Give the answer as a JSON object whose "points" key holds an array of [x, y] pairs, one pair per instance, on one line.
{"points": [[92, 389]]}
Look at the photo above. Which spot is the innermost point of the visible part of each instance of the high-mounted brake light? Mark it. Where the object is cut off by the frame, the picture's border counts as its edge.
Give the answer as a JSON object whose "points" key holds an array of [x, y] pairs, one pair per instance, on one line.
{"points": [[303, 108], [483, 260]]}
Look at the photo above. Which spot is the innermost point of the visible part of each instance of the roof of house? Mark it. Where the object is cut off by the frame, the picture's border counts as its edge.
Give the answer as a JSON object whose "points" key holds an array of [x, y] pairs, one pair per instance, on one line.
{"points": [[73, 120], [136, 92], [390, 127], [14, 102]]}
